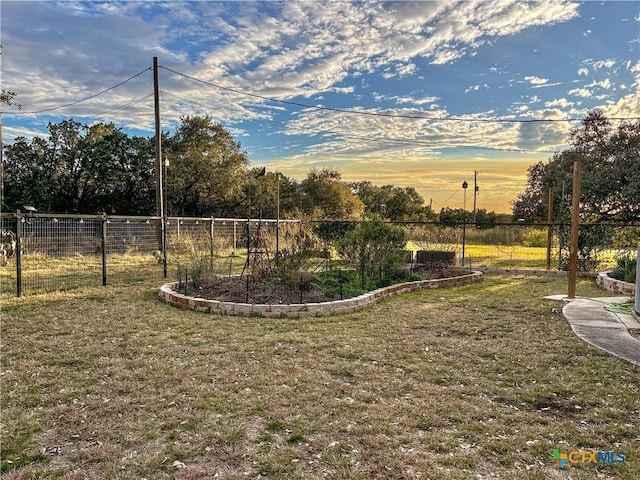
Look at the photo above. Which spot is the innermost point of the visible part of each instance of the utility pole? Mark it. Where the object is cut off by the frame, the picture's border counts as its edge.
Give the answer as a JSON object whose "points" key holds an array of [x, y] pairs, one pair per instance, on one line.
{"points": [[475, 194], [465, 185], [1, 144], [159, 170]]}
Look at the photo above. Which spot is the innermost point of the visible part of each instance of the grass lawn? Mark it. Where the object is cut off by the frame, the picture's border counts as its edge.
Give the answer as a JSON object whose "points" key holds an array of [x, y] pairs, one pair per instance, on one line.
{"points": [[483, 381]]}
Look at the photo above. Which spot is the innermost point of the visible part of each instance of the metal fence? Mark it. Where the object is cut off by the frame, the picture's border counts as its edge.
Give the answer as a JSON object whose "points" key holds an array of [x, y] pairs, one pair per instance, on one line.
{"points": [[47, 252], [525, 246]]}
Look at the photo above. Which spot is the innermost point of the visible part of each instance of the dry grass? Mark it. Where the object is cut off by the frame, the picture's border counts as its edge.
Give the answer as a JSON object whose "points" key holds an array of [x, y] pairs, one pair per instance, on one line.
{"points": [[483, 381]]}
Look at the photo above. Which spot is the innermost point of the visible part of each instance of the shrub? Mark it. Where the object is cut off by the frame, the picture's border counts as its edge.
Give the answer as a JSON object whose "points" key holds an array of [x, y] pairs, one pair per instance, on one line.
{"points": [[625, 270], [535, 238], [374, 249]]}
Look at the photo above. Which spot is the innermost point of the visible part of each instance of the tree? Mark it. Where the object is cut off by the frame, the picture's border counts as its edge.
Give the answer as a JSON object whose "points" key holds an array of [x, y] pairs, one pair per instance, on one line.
{"points": [[7, 96], [610, 185], [398, 204], [28, 172], [326, 197], [610, 189], [265, 196], [81, 169], [207, 171]]}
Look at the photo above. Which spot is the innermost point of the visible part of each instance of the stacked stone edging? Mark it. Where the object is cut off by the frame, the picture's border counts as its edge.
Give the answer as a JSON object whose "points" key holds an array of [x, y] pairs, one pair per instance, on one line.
{"points": [[170, 296], [613, 285]]}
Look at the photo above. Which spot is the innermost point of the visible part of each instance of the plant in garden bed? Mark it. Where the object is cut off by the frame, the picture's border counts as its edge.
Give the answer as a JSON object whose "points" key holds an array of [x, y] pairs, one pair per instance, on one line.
{"points": [[374, 249], [625, 270]]}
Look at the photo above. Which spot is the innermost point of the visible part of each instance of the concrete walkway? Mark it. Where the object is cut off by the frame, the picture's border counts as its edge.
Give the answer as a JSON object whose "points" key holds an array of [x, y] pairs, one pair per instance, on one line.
{"points": [[603, 329]]}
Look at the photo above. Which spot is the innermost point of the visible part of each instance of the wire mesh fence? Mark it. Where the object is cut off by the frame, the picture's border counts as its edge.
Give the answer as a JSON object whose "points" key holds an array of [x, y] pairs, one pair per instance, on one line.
{"points": [[46, 252]]}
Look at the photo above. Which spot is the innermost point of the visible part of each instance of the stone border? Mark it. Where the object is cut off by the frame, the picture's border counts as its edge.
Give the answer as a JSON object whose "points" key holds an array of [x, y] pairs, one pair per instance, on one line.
{"points": [[170, 296], [612, 285]]}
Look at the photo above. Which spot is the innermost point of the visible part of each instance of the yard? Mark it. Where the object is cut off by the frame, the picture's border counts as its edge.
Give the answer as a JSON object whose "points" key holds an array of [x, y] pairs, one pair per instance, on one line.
{"points": [[483, 381]]}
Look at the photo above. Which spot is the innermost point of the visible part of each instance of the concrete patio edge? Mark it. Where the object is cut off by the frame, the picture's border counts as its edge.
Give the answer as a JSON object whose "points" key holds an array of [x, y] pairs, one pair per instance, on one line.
{"points": [[608, 331]]}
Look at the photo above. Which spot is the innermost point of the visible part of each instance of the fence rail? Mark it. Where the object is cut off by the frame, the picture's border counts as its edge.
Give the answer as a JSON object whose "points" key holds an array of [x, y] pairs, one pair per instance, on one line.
{"points": [[50, 252]]}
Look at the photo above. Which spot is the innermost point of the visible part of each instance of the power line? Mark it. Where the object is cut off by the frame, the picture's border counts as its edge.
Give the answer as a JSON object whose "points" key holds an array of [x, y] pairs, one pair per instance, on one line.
{"points": [[127, 105], [86, 98], [389, 115]]}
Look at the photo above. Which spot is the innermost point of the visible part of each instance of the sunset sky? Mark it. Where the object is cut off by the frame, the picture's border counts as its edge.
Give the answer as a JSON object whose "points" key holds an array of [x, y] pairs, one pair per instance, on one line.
{"points": [[407, 93]]}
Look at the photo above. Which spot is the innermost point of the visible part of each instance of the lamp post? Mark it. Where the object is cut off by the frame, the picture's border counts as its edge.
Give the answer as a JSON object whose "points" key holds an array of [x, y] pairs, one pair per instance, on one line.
{"points": [[465, 185], [278, 175]]}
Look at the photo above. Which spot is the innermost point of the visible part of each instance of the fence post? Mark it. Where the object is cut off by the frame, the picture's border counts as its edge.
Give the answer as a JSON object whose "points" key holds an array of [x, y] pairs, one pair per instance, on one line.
{"points": [[211, 252], [235, 237], [549, 228], [164, 222], [19, 220], [464, 237], [104, 249], [637, 304]]}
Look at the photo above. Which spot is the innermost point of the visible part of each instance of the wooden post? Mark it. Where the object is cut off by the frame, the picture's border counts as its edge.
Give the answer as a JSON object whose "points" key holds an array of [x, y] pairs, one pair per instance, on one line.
{"points": [[159, 168], [549, 227], [575, 227]]}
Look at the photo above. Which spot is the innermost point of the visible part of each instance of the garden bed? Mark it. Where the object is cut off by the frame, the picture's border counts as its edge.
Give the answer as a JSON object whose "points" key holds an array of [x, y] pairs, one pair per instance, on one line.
{"points": [[321, 305], [613, 285]]}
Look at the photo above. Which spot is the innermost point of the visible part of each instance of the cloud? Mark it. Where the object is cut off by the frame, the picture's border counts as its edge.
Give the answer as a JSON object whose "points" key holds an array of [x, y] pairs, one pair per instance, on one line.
{"points": [[580, 92], [559, 102], [536, 80], [418, 101], [295, 49], [603, 64], [606, 84]]}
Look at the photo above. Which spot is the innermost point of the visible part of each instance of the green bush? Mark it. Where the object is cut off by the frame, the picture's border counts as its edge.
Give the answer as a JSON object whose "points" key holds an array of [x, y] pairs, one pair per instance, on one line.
{"points": [[625, 270], [374, 249], [535, 238]]}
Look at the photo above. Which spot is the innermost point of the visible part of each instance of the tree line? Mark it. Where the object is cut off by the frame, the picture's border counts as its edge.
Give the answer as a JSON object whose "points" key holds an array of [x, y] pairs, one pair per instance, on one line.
{"points": [[97, 168]]}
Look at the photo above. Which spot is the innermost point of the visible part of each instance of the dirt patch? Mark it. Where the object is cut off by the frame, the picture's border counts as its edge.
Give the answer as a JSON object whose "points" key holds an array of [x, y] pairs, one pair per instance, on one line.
{"points": [[275, 291], [248, 290], [635, 333]]}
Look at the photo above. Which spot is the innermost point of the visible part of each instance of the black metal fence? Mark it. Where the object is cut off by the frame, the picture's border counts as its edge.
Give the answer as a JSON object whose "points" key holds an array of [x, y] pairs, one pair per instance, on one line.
{"points": [[47, 252]]}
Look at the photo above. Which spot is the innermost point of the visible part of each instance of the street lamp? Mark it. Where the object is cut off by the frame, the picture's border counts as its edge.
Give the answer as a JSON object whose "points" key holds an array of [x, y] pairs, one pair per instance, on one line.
{"points": [[465, 185]]}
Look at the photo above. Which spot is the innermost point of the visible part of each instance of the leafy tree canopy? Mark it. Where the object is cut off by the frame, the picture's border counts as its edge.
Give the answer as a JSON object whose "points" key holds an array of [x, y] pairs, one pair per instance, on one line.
{"points": [[326, 197], [80, 168], [398, 204], [610, 186], [207, 169]]}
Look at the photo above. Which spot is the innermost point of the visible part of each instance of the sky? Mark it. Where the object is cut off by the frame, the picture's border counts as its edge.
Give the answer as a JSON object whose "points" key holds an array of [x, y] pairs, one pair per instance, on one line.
{"points": [[419, 94]]}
